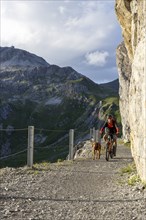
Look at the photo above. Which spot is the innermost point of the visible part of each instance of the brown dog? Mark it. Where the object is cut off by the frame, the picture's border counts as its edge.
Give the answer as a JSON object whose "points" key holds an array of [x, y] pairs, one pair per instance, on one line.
{"points": [[96, 150]]}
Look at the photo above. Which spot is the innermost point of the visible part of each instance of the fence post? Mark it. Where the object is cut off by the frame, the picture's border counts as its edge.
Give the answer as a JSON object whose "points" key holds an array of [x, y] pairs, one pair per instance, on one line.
{"points": [[30, 146], [94, 134], [91, 133], [71, 143], [98, 136]]}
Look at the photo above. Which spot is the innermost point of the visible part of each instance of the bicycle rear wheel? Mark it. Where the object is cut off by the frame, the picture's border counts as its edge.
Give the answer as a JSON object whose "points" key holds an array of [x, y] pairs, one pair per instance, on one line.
{"points": [[114, 149]]}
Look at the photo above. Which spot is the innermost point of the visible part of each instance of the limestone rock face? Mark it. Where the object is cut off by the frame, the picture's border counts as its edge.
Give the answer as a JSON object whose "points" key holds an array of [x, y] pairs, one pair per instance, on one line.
{"points": [[124, 69], [132, 18]]}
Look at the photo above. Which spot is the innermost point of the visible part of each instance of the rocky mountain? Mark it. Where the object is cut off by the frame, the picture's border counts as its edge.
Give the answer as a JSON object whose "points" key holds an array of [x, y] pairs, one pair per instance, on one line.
{"points": [[132, 66], [51, 98], [113, 86], [16, 58]]}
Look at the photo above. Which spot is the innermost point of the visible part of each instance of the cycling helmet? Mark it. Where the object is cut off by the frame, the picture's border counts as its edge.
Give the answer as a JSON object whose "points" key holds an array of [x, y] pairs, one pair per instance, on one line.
{"points": [[109, 116]]}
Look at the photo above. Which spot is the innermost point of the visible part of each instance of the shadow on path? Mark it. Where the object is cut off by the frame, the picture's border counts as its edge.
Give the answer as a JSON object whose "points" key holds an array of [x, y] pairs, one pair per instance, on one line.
{"points": [[71, 200]]}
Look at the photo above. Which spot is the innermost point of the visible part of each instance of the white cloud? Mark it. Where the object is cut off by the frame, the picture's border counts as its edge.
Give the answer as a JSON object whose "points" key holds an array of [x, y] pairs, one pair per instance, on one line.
{"points": [[62, 9], [61, 31], [97, 58]]}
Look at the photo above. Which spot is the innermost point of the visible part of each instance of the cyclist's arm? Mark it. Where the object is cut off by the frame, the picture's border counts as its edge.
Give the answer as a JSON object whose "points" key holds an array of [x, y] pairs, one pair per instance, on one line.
{"points": [[117, 129], [105, 125]]}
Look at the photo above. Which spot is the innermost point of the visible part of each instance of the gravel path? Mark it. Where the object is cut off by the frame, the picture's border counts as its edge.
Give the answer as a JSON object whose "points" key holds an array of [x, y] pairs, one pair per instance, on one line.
{"points": [[80, 190]]}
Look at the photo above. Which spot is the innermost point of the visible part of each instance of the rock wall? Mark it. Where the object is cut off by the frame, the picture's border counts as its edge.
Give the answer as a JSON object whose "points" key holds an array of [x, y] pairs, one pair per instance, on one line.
{"points": [[131, 15], [124, 70]]}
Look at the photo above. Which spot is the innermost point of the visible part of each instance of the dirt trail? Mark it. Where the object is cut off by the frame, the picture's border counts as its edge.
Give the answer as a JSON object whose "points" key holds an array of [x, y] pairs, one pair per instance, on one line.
{"points": [[80, 190]]}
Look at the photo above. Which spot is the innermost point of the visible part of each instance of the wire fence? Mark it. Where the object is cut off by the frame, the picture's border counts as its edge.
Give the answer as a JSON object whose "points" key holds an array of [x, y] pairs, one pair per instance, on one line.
{"points": [[27, 148], [46, 143], [12, 141], [42, 144], [12, 155]]}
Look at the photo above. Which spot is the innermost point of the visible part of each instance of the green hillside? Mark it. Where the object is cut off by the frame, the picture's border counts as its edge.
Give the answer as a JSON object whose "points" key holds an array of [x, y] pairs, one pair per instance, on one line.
{"points": [[53, 100]]}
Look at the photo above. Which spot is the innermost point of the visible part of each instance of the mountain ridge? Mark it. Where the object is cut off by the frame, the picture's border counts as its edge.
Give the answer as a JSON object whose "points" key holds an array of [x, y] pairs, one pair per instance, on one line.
{"points": [[47, 97], [11, 56]]}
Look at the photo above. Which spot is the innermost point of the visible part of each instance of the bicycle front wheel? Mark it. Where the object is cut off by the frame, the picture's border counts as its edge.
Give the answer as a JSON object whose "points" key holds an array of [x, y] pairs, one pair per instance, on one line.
{"points": [[107, 153], [111, 153], [114, 150]]}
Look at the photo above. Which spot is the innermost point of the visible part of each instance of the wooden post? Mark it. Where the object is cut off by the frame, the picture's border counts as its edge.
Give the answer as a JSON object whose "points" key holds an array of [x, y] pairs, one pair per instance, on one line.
{"points": [[94, 134], [71, 143], [98, 136], [30, 146], [91, 133]]}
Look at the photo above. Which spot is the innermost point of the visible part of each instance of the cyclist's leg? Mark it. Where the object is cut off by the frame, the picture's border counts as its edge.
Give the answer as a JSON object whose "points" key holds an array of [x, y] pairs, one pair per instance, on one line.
{"points": [[105, 137]]}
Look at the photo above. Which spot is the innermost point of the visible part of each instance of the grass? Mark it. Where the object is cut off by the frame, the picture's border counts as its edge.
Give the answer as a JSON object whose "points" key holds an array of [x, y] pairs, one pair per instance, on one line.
{"points": [[132, 177], [121, 142], [46, 166], [76, 81], [128, 144], [144, 184], [130, 168], [60, 160], [111, 106], [43, 166], [111, 100]]}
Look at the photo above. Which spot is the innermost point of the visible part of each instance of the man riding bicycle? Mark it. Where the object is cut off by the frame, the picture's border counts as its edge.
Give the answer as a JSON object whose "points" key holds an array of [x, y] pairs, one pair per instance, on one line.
{"points": [[113, 130]]}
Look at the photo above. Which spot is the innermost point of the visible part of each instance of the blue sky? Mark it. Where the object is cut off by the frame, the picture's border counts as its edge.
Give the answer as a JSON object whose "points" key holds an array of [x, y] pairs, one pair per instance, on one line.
{"points": [[81, 34]]}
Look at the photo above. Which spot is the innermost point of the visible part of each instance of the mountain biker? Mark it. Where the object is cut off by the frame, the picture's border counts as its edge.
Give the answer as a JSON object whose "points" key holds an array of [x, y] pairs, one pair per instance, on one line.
{"points": [[113, 129]]}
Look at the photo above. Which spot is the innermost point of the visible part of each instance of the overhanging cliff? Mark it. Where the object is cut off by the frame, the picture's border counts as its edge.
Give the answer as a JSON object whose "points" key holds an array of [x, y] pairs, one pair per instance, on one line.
{"points": [[131, 62]]}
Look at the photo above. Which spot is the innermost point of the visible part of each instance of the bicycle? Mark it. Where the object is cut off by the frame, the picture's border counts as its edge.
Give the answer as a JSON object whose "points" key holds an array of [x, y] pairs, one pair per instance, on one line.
{"points": [[110, 150]]}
